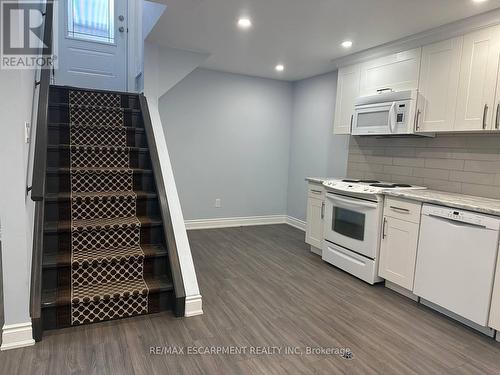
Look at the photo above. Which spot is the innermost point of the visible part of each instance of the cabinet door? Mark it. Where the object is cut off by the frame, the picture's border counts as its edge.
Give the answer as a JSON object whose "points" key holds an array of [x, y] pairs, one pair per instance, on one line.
{"points": [[398, 252], [438, 85], [314, 226], [347, 92], [478, 78], [396, 72]]}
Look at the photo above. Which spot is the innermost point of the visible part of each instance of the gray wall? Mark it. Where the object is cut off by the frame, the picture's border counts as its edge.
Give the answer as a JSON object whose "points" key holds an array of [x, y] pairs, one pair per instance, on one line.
{"points": [[16, 93], [467, 164], [314, 150], [228, 137]]}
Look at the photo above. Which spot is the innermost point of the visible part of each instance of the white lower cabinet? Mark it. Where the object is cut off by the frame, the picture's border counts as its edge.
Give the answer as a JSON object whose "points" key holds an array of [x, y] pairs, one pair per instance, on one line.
{"points": [[315, 217], [398, 247], [494, 320]]}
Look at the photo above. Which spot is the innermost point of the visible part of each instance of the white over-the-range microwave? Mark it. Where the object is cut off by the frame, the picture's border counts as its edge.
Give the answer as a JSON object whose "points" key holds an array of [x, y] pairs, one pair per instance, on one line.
{"points": [[386, 113]]}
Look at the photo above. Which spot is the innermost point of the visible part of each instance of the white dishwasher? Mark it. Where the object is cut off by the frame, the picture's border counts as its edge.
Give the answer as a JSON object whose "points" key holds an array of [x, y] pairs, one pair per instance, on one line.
{"points": [[456, 261]]}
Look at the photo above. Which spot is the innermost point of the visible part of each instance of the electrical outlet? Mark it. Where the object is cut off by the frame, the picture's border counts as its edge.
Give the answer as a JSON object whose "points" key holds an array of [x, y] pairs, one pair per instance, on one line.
{"points": [[218, 203], [27, 132]]}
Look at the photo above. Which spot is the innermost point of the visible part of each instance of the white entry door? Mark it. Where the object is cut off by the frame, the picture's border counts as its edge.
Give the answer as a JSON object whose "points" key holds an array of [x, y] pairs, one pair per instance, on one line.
{"points": [[93, 44]]}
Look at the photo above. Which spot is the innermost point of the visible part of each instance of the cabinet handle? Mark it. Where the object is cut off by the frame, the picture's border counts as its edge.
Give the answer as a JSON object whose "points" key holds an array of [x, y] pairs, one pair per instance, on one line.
{"points": [[400, 209], [383, 228], [417, 118], [485, 112], [323, 210], [380, 91], [352, 120], [497, 123], [316, 191]]}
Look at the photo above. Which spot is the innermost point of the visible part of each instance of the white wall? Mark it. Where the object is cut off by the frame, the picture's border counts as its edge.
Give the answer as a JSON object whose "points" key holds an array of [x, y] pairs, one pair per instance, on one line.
{"points": [[314, 150], [228, 137]]}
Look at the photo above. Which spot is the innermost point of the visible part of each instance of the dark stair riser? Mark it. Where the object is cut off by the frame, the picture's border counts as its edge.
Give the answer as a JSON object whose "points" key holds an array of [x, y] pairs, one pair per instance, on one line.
{"points": [[61, 209], [61, 241], [59, 182], [60, 95], [60, 276], [60, 114], [60, 157], [54, 317], [58, 134]]}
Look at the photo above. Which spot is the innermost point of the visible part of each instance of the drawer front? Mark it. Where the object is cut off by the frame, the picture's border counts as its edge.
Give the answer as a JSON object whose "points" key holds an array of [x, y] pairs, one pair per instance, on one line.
{"points": [[316, 191], [402, 209]]}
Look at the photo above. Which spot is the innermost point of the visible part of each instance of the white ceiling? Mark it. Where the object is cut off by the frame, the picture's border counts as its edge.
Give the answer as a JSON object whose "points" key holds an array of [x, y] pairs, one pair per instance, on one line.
{"points": [[304, 35]]}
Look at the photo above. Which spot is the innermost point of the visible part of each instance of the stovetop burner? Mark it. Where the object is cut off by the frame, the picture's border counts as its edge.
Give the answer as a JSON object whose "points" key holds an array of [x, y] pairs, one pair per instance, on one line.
{"points": [[390, 186]]}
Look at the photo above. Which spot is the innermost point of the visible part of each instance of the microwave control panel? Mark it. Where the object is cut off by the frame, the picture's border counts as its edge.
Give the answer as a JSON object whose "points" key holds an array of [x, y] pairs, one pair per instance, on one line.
{"points": [[401, 112]]}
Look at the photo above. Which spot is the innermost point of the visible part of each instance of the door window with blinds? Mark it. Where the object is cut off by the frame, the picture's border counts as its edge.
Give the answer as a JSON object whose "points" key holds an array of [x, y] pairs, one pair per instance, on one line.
{"points": [[91, 20]]}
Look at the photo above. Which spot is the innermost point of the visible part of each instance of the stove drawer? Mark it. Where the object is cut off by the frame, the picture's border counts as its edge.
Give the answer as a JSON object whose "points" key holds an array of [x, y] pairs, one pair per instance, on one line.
{"points": [[402, 209], [353, 263]]}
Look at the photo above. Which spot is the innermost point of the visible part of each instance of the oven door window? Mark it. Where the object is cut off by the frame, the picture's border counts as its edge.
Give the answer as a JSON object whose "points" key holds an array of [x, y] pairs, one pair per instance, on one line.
{"points": [[349, 223]]}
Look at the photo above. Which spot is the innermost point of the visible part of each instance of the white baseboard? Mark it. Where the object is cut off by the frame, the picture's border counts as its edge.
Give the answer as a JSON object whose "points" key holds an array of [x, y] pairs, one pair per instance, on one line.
{"points": [[17, 336], [235, 222], [193, 306], [296, 223], [230, 222]]}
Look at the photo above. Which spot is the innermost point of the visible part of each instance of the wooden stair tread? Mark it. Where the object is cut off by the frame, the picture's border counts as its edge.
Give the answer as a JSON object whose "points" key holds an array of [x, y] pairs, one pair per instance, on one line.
{"points": [[62, 196], [94, 107], [127, 148], [59, 259], [62, 296], [97, 127], [65, 225], [66, 170]]}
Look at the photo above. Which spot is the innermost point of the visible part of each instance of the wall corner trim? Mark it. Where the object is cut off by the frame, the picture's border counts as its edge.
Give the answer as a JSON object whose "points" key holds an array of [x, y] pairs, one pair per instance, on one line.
{"points": [[193, 306], [16, 336], [296, 223]]}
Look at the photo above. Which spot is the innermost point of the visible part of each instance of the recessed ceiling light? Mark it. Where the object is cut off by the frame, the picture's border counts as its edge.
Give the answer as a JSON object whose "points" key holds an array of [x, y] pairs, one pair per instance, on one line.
{"points": [[279, 67], [347, 44], [244, 23], [479, 1]]}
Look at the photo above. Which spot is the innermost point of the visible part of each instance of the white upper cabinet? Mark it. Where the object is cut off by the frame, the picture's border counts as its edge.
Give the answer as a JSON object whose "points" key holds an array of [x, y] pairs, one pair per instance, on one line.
{"points": [[347, 92], [478, 79], [397, 72], [438, 86], [495, 122]]}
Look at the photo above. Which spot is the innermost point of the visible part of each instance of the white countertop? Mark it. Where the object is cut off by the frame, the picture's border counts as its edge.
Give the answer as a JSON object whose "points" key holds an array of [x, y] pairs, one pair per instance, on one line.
{"points": [[466, 202], [317, 180]]}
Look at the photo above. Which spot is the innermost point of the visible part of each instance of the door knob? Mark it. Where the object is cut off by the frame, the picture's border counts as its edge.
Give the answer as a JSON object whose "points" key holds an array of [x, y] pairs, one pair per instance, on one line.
{"points": [[121, 18], [121, 29]]}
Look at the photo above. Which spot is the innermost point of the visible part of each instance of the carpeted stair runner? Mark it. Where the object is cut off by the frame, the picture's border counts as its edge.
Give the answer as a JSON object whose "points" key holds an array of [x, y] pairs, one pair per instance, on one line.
{"points": [[107, 261]]}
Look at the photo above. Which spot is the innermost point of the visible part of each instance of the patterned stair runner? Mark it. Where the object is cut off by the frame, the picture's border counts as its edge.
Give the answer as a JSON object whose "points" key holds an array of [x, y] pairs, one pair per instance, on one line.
{"points": [[107, 261]]}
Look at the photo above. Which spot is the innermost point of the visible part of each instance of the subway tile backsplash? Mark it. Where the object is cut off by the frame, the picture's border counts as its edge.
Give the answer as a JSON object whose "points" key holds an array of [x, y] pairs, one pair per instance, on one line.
{"points": [[466, 163]]}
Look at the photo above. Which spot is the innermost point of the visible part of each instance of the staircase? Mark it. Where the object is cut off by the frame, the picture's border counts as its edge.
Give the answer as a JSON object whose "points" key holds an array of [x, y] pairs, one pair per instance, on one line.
{"points": [[104, 249]]}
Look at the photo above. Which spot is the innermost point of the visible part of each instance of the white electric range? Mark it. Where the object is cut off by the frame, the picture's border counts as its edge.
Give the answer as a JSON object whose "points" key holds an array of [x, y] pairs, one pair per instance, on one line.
{"points": [[353, 225]]}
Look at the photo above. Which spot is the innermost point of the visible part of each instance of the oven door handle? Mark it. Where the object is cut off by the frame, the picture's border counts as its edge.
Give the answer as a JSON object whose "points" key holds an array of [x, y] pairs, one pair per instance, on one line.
{"points": [[352, 203]]}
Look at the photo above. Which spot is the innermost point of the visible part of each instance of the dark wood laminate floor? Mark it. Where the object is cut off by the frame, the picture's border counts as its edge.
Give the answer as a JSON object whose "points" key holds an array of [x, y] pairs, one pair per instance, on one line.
{"points": [[262, 287]]}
